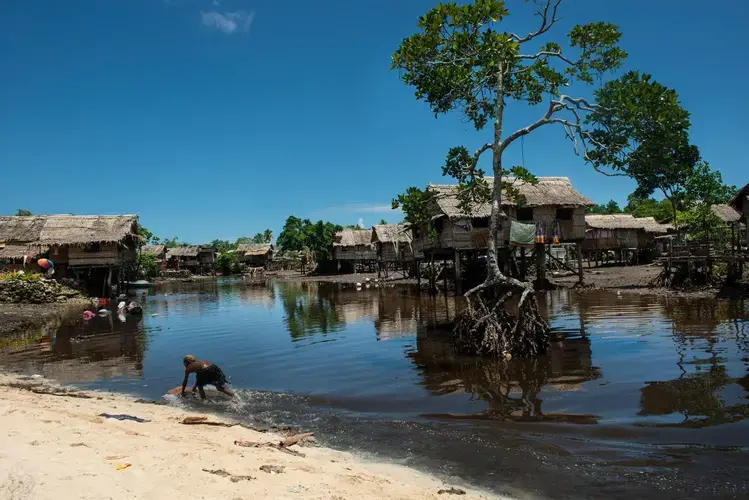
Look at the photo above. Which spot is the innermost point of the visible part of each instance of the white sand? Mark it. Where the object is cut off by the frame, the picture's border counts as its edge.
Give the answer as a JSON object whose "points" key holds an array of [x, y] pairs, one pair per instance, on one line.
{"points": [[55, 447]]}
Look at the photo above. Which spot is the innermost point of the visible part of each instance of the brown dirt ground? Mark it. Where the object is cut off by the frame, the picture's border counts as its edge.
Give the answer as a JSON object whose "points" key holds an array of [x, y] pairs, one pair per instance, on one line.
{"points": [[637, 279]]}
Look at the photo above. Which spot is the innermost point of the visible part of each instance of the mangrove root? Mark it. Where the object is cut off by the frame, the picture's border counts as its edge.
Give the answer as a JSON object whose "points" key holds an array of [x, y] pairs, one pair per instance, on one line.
{"points": [[486, 327]]}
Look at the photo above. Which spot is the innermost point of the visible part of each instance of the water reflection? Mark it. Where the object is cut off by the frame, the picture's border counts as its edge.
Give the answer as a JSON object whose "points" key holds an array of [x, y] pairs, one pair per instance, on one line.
{"points": [[311, 308], [78, 352]]}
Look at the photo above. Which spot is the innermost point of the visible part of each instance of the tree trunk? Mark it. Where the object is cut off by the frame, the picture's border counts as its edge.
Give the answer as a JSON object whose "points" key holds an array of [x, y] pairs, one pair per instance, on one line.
{"points": [[485, 326]]}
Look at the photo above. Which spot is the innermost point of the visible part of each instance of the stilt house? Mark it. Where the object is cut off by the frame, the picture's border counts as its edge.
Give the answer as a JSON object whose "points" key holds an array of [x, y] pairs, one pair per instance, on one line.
{"points": [[552, 204], [355, 246], [393, 245], [255, 254], [95, 249]]}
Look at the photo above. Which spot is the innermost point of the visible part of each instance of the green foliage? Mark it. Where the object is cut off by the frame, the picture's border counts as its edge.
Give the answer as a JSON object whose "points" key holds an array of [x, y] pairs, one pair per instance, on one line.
{"points": [[383, 222], [268, 236], [148, 237], [243, 240], [703, 189], [147, 265], [456, 59], [258, 238], [222, 246], [172, 242], [22, 212], [612, 207], [303, 235], [227, 262], [642, 131], [638, 206], [18, 275], [706, 186], [463, 59], [415, 205]]}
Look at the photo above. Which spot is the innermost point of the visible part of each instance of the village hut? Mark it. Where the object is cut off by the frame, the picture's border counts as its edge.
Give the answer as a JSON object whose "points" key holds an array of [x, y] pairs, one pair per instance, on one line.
{"points": [[255, 254], [392, 243], [94, 249], [623, 234], [552, 205], [158, 251], [195, 258], [354, 246], [726, 213], [740, 203]]}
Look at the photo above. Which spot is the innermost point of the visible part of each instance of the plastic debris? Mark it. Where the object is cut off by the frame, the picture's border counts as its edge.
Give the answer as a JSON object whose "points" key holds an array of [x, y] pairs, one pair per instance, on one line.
{"points": [[87, 315], [124, 417], [123, 466]]}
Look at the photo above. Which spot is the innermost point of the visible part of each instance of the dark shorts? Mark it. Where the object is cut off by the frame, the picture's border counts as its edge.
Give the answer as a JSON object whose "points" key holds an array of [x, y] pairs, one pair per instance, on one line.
{"points": [[211, 375]]}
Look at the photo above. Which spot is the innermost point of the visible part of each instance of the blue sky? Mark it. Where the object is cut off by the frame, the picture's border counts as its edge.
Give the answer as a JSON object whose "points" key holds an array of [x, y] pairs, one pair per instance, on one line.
{"points": [[217, 119]]}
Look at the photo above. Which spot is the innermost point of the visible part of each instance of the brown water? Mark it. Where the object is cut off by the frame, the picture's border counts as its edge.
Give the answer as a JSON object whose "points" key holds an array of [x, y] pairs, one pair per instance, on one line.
{"points": [[637, 395]]}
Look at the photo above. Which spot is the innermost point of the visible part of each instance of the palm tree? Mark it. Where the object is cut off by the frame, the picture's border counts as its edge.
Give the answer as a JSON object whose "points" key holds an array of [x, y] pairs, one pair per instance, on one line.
{"points": [[268, 235]]}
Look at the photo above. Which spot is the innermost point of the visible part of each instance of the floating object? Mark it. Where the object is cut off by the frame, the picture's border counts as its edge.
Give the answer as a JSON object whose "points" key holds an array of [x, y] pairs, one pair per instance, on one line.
{"points": [[121, 305], [154, 315], [103, 302], [104, 312], [121, 317], [45, 263], [134, 308], [87, 315], [123, 466]]}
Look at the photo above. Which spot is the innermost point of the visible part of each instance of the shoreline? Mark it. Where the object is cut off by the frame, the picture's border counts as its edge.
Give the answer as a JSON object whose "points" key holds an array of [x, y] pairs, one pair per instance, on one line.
{"points": [[25, 317], [58, 446]]}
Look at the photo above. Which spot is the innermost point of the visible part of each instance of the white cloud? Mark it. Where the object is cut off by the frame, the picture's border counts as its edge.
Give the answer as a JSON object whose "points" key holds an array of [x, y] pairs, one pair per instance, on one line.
{"points": [[228, 22], [361, 223]]}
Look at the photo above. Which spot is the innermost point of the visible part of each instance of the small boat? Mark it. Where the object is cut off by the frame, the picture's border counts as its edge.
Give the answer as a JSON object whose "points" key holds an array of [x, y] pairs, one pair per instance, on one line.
{"points": [[138, 284]]}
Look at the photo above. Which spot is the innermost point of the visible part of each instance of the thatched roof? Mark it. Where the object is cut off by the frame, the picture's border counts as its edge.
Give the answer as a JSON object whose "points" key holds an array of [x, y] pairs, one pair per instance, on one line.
{"points": [[625, 221], [183, 251], [726, 213], [16, 251], [152, 249], [353, 238], [740, 198], [391, 233], [67, 229], [248, 249], [550, 191]]}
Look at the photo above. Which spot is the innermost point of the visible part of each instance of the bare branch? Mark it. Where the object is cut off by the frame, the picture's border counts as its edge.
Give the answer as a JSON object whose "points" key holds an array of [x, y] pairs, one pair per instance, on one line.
{"points": [[546, 22], [479, 152], [547, 54]]}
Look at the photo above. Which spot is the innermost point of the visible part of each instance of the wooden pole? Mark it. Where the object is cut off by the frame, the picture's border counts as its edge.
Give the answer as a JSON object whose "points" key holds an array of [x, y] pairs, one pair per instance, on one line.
{"points": [[540, 263], [523, 265], [580, 261], [418, 272], [458, 278]]}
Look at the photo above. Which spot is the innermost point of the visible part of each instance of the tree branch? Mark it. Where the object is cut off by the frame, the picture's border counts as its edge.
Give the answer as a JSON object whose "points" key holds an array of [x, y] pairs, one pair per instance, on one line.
{"points": [[546, 23], [545, 53]]}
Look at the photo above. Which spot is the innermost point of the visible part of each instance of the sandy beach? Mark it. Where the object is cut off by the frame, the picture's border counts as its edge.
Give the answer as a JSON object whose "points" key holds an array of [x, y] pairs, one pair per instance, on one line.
{"points": [[57, 446]]}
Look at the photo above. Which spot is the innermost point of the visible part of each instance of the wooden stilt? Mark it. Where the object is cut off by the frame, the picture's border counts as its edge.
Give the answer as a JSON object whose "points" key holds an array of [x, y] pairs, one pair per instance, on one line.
{"points": [[523, 265], [418, 273], [540, 264], [458, 277], [579, 249]]}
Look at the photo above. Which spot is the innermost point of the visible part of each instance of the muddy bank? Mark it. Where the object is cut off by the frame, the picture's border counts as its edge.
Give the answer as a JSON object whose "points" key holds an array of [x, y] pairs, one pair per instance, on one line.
{"points": [[15, 318], [294, 276], [72, 448], [637, 279]]}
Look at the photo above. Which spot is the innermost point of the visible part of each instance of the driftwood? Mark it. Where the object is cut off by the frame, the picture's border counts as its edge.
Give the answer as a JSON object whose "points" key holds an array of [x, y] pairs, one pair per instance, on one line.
{"points": [[292, 440], [279, 447], [205, 421], [78, 395]]}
